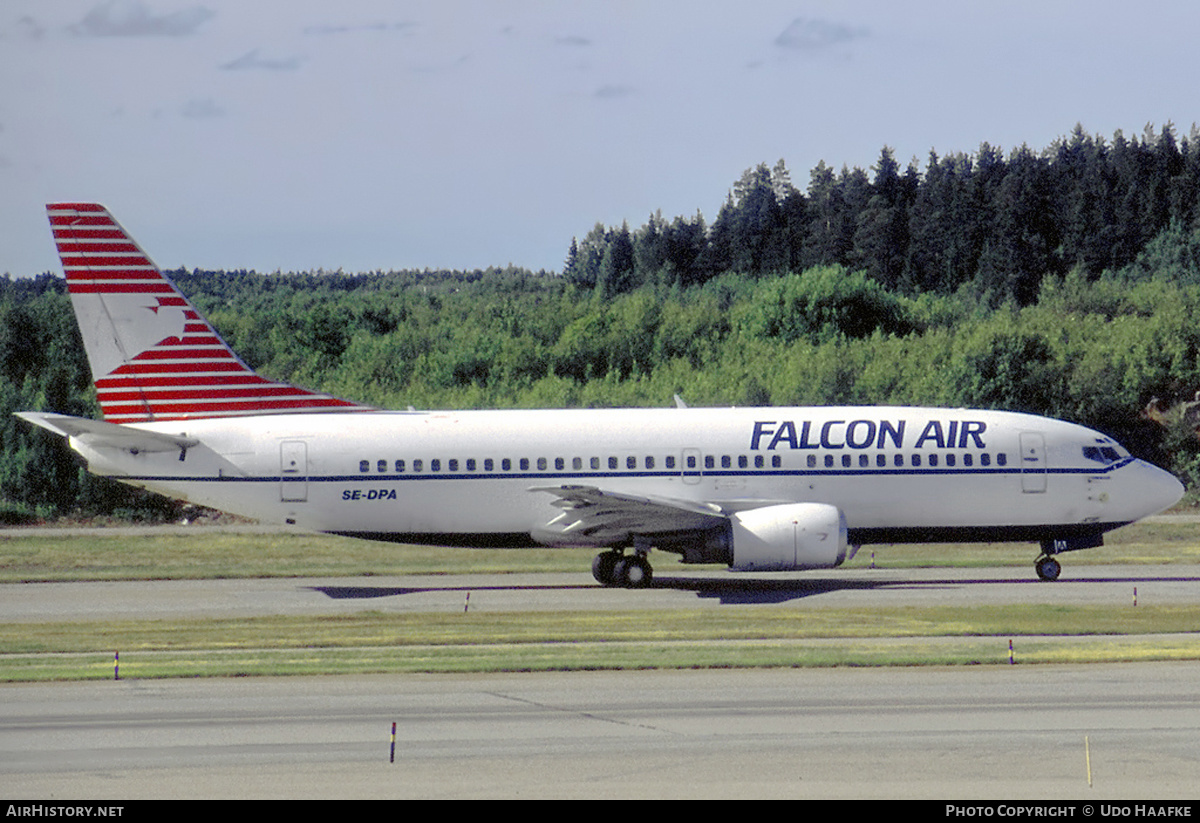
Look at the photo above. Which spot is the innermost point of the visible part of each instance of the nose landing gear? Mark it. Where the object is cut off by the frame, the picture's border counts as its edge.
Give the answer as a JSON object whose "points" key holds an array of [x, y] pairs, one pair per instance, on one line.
{"points": [[1047, 567]]}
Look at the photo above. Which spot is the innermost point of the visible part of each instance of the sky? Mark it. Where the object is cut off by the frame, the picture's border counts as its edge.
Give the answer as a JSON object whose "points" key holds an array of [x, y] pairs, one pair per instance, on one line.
{"points": [[364, 135]]}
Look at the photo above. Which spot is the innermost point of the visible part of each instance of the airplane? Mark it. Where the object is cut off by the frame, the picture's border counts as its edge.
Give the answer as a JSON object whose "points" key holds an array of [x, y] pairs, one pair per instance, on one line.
{"points": [[755, 489]]}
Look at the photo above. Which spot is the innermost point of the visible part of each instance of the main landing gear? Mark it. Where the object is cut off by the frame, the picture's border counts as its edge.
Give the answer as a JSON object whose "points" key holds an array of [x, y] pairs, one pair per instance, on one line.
{"points": [[1047, 567], [615, 568]]}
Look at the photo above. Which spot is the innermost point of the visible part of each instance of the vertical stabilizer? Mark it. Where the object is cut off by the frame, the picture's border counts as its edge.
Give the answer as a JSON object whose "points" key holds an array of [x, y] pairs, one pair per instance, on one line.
{"points": [[153, 356]]}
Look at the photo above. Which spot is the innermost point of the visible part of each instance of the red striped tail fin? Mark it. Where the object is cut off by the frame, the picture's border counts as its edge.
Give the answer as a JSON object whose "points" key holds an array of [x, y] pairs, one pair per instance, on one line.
{"points": [[153, 356]]}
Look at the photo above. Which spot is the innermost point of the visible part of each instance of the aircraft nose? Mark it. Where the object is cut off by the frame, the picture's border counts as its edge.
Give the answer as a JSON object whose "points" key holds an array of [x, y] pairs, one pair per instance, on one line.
{"points": [[1153, 490]]}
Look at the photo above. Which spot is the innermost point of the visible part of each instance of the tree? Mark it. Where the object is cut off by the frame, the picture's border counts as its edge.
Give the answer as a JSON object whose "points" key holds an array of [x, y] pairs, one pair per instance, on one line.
{"points": [[881, 233], [650, 250], [686, 245], [617, 265]]}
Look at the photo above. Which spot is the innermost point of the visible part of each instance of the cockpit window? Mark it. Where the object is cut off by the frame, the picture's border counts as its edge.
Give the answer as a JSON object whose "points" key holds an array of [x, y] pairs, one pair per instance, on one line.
{"points": [[1105, 455]]}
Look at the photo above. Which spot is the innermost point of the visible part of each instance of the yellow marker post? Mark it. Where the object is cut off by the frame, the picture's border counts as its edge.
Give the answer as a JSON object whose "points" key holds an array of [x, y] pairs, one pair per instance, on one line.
{"points": [[1087, 753]]}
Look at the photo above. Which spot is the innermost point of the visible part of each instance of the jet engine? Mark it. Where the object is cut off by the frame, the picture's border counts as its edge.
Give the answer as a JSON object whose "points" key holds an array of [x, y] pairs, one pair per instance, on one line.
{"points": [[788, 537]]}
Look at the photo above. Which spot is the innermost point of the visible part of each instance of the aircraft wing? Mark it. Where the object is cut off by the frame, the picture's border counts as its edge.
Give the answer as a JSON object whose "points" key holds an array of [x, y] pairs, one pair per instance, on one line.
{"points": [[98, 434], [594, 517]]}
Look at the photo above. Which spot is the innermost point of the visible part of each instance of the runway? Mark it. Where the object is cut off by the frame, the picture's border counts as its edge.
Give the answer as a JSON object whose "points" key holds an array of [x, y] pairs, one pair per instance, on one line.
{"points": [[996, 733]]}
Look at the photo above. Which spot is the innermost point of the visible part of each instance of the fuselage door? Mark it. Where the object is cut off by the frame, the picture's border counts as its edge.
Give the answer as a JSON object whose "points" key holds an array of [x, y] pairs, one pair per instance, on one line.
{"points": [[1033, 463], [692, 469], [293, 471]]}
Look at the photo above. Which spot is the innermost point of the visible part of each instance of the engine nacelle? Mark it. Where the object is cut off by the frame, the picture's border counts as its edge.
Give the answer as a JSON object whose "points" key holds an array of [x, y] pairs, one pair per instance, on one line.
{"points": [[789, 537]]}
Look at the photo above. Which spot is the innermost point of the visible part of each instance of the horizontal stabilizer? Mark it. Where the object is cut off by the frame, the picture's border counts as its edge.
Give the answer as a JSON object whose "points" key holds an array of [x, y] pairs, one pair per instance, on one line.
{"points": [[99, 435]]}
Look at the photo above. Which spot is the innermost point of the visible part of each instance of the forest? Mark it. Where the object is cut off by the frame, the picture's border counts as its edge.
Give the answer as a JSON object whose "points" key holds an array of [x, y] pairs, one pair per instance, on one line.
{"points": [[1063, 282]]}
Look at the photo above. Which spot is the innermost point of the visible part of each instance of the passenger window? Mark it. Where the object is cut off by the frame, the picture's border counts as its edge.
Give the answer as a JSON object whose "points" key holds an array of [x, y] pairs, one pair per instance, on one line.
{"points": [[776, 461], [418, 466], [709, 463], [898, 461], [453, 465], [541, 464], [829, 461], [399, 466], [381, 466], [435, 465], [364, 465], [916, 461], [576, 463], [881, 460], [812, 461], [933, 459], [950, 460], [524, 464], [470, 464], [1002, 459], [758, 461], [846, 461], [968, 460], [649, 462], [595, 463], [559, 464], [488, 464], [631, 462], [725, 461], [670, 461], [985, 459]]}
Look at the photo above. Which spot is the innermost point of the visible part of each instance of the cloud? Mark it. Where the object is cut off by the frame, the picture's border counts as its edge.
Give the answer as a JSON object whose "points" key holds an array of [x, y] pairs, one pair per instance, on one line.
{"points": [[131, 18], [327, 30], [252, 60], [573, 40], [613, 91], [809, 35], [31, 27], [202, 108]]}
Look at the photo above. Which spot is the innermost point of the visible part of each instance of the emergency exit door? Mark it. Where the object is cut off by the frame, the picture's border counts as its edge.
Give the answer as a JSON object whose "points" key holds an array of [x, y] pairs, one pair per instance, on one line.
{"points": [[293, 471], [1033, 463]]}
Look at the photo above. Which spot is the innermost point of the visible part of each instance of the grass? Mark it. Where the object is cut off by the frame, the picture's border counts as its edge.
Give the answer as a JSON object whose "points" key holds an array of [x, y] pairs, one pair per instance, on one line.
{"points": [[370, 641], [218, 553], [760, 623]]}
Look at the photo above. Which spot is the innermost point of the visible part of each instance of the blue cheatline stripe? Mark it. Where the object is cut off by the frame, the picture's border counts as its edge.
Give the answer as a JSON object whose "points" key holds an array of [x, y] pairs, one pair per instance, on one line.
{"points": [[583, 477]]}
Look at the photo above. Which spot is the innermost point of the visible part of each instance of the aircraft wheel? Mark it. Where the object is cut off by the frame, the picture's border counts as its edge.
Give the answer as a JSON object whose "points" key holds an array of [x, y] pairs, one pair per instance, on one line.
{"points": [[604, 567], [633, 573], [1047, 568]]}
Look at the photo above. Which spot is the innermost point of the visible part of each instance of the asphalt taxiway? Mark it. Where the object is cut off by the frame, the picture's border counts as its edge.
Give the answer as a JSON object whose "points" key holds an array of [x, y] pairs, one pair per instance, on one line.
{"points": [[671, 589]]}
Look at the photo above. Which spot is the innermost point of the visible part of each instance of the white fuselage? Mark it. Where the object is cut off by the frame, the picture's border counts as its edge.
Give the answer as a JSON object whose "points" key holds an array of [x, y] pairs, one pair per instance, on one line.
{"points": [[898, 474]]}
